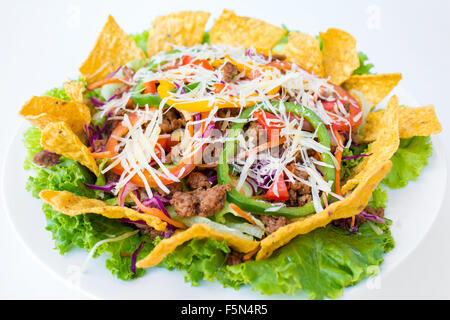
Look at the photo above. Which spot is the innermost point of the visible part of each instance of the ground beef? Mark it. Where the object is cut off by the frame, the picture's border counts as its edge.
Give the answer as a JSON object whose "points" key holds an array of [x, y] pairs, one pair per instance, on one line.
{"points": [[173, 187], [128, 73], [202, 202], [273, 223], [98, 145], [299, 192], [197, 180], [46, 159], [152, 233], [123, 88], [234, 258], [280, 57], [299, 186], [172, 120], [229, 71]]}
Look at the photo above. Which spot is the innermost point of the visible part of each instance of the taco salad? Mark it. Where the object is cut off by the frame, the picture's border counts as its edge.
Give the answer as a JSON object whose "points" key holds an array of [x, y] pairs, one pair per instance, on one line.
{"points": [[247, 154]]}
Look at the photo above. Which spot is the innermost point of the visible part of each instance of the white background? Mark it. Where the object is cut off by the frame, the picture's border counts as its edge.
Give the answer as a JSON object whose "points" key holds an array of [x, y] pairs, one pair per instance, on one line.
{"points": [[44, 42]]}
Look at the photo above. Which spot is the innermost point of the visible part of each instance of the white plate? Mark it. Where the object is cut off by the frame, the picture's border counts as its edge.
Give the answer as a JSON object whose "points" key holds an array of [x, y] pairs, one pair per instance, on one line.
{"points": [[412, 209]]}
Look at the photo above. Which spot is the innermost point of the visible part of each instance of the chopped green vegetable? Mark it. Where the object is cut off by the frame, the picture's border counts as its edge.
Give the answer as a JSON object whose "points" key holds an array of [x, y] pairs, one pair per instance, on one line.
{"points": [[320, 263], [409, 161], [141, 39], [364, 65]]}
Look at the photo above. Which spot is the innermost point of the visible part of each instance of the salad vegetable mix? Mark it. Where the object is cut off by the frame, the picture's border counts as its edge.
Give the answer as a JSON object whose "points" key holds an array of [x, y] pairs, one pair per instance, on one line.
{"points": [[247, 154]]}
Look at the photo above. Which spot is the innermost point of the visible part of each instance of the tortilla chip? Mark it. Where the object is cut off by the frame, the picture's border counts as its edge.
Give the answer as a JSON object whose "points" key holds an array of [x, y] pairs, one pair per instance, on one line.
{"points": [[374, 87], [74, 90], [184, 28], [44, 110], [245, 32], [350, 206], [304, 50], [340, 57], [113, 49], [72, 205], [420, 121], [200, 231], [57, 137], [382, 149]]}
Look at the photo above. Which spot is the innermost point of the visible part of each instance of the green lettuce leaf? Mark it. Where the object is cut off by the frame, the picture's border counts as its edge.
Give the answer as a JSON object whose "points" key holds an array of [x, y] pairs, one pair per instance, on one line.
{"points": [[141, 39], [379, 198], [408, 162], [364, 65], [320, 263], [86, 230]]}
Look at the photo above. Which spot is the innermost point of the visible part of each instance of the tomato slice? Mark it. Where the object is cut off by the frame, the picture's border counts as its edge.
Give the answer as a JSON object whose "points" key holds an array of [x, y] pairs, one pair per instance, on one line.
{"points": [[283, 194], [272, 130]]}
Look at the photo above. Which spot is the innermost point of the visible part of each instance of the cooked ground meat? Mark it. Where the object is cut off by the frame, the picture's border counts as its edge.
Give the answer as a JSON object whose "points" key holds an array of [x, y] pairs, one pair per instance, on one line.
{"points": [[256, 132], [229, 71], [152, 233], [123, 88], [234, 258], [299, 192], [46, 159], [172, 120], [299, 186], [280, 57], [128, 73], [200, 202], [197, 180], [273, 223], [173, 187], [99, 144]]}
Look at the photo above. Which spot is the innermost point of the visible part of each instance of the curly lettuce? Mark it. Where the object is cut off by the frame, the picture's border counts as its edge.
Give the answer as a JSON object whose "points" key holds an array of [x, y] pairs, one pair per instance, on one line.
{"points": [[321, 263], [409, 161]]}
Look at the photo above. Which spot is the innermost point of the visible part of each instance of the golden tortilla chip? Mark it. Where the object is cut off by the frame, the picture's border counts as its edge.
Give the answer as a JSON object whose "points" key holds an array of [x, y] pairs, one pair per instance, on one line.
{"points": [[184, 28], [72, 205], [340, 57], [57, 137], [244, 32], [305, 50], [113, 49], [44, 110], [200, 231], [374, 87], [74, 90], [412, 122], [350, 206], [382, 149]]}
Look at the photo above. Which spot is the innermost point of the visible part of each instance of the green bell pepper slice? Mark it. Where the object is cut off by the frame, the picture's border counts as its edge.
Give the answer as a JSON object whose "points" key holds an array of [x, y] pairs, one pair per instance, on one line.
{"points": [[259, 206], [150, 99]]}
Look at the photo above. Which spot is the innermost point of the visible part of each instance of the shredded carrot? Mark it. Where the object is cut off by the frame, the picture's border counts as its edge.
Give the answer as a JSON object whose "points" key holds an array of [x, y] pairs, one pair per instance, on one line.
{"points": [[102, 155], [242, 213], [353, 222], [156, 212], [102, 82], [249, 255], [338, 156]]}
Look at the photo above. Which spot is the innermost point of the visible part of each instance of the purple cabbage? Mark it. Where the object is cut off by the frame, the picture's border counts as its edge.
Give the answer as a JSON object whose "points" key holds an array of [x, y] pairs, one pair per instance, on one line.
{"points": [[134, 257], [107, 187], [372, 217], [356, 157], [94, 133], [96, 102]]}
